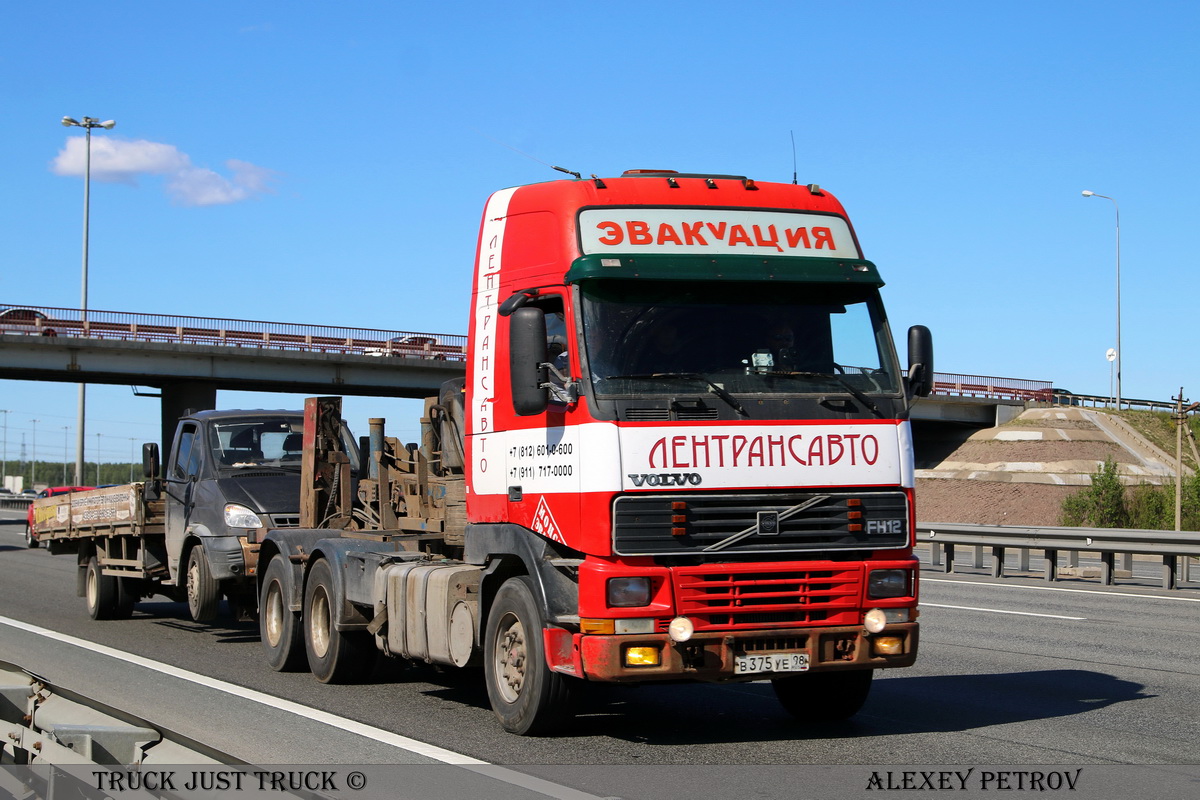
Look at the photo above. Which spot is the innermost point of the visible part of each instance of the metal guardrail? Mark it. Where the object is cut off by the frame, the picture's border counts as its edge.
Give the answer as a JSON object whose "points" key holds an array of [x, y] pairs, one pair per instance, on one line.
{"points": [[1065, 398], [44, 724], [120, 325], [15, 501], [1174, 547]]}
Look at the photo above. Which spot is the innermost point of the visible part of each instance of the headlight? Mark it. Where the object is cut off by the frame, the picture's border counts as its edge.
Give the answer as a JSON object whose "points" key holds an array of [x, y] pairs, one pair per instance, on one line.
{"points": [[237, 516], [628, 592], [888, 583]]}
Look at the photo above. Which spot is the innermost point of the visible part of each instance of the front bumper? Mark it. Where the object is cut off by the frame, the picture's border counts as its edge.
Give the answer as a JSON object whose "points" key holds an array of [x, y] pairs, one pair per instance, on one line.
{"points": [[710, 656]]}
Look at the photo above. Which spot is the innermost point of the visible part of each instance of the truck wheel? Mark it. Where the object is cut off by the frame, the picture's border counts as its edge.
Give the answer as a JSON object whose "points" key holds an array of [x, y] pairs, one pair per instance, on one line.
{"points": [[525, 694], [333, 656], [105, 594], [31, 541], [203, 590], [278, 625], [824, 696]]}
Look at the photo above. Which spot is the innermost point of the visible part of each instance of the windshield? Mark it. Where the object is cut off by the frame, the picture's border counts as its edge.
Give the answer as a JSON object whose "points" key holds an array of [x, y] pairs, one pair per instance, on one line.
{"points": [[261, 441], [747, 338]]}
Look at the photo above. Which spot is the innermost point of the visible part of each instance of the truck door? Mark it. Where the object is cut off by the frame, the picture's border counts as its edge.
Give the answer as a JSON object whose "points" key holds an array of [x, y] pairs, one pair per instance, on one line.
{"points": [[181, 487]]}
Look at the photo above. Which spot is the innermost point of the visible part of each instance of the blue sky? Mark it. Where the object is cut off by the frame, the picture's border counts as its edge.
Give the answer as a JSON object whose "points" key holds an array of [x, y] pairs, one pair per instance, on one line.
{"points": [[327, 163]]}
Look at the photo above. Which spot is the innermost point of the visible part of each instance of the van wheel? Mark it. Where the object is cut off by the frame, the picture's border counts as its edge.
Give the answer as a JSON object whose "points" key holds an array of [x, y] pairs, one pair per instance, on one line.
{"points": [[279, 626], [824, 696], [526, 695], [203, 591], [31, 541], [333, 656], [106, 595]]}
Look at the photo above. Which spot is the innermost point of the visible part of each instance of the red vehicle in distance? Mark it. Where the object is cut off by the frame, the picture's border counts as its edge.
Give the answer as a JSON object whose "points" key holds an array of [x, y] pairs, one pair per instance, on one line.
{"points": [[31, 539]]}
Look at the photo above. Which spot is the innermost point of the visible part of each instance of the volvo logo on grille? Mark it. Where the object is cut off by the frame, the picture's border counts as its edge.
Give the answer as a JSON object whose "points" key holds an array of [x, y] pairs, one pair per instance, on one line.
{"points": [[768, 523], [667, 479]]}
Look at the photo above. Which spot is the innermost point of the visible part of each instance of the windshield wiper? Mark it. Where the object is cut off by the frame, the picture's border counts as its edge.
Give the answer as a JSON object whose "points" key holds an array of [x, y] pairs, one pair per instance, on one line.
{"points": [[849, 387], [715, 388]]}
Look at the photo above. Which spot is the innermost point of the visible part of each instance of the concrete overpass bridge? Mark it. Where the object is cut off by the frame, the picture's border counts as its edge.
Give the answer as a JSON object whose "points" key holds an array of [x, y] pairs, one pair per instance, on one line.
{"points": [[189, 358]]}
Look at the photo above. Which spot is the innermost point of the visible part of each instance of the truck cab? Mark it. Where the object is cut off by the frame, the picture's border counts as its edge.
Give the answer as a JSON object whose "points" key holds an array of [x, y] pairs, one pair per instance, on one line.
{"points": [[230, 474]]}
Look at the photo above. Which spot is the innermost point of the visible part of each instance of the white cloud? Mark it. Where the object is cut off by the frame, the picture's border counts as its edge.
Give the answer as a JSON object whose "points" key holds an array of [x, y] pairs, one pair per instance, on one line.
{"points": [[120, 161]]}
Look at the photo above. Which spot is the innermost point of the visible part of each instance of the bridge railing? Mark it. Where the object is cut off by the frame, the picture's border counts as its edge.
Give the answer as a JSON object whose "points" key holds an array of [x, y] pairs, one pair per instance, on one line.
{"points": [[951, 384], [121, 325]]}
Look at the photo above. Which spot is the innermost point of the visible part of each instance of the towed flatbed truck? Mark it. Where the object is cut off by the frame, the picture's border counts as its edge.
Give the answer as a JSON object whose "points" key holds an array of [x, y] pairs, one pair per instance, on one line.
{"points": [[681, 452], [183, 533]]}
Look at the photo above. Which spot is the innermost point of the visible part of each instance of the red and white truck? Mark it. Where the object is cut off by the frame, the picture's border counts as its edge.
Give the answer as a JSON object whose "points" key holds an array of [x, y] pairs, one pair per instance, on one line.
{"points": [[681, 453]]}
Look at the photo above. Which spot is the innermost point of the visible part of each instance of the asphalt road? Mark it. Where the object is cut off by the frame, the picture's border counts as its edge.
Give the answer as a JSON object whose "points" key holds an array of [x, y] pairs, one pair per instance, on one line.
{"points": [[1011, 672]]}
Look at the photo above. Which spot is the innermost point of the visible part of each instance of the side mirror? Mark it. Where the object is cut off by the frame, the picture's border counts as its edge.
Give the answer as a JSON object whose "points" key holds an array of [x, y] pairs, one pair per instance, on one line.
{"points": [[526, 354], [920, 361], [150, 461]]}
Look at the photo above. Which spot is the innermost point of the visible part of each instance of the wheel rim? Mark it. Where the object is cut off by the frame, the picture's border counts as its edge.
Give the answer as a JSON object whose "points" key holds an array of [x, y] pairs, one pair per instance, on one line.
{"points": [[318, 623], [273, 614], [193, 589], [91, 588], [511, 658]]}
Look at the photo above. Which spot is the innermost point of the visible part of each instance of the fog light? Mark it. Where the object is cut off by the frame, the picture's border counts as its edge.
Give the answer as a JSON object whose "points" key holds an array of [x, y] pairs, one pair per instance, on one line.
{"points": [[887, 645], [681, 629], [641, 657], [875, 620]]}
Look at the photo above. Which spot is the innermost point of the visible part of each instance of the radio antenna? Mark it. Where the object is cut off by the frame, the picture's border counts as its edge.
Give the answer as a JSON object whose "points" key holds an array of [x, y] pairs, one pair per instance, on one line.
{"points": [[794, 181], [523, 153]]}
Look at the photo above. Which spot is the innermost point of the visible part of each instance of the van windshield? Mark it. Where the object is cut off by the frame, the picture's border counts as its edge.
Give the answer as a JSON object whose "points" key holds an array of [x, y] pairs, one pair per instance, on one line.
{"points": [[260, 441]]}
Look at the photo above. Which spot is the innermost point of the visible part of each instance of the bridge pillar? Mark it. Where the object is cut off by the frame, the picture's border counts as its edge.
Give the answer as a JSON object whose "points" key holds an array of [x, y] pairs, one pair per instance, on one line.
{"points": [[179, 397]]}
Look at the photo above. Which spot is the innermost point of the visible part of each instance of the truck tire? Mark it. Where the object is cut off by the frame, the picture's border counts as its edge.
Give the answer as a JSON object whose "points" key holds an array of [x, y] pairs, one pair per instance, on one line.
{"points": [[824, 696], [526, 695], [31, 541], [203, 590], [279, 626], [333, 656], [105, 594]]}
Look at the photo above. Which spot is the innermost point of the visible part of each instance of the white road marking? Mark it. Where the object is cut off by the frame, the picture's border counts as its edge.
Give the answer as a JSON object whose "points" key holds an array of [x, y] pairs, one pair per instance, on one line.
{"points": [[498, 773], [350, 726], [1001, 611], [1061, 589]]}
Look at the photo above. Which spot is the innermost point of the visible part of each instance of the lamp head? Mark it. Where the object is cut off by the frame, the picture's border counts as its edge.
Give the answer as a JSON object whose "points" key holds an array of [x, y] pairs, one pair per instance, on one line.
{"points": [[68, 122], [1086, 193], [108, 124]]}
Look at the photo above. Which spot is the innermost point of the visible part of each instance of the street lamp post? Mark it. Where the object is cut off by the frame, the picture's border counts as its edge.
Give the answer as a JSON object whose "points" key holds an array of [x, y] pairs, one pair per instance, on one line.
{"points": [[33, 467], [4, 468], [87, 124], [1117, 362]]}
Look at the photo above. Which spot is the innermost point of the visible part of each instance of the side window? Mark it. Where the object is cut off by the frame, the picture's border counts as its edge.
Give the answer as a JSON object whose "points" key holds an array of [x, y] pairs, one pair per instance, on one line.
{"points": [[558, 342], [183, 454], [195, 457]]}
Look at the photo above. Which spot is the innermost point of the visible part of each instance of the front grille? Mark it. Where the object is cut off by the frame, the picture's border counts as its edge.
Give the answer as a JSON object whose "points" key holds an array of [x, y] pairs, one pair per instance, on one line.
{"points": [[285, 520], [721, 524], [735, 597]]}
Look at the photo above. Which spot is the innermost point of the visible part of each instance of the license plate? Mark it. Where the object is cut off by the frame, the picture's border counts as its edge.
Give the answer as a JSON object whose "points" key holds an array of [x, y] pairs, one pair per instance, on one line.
{"points": [[772, 662]]}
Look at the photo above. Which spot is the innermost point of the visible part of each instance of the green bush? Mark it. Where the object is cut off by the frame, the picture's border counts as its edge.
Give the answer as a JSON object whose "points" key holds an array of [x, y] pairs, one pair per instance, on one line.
{"points": [[1108, 504]]}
